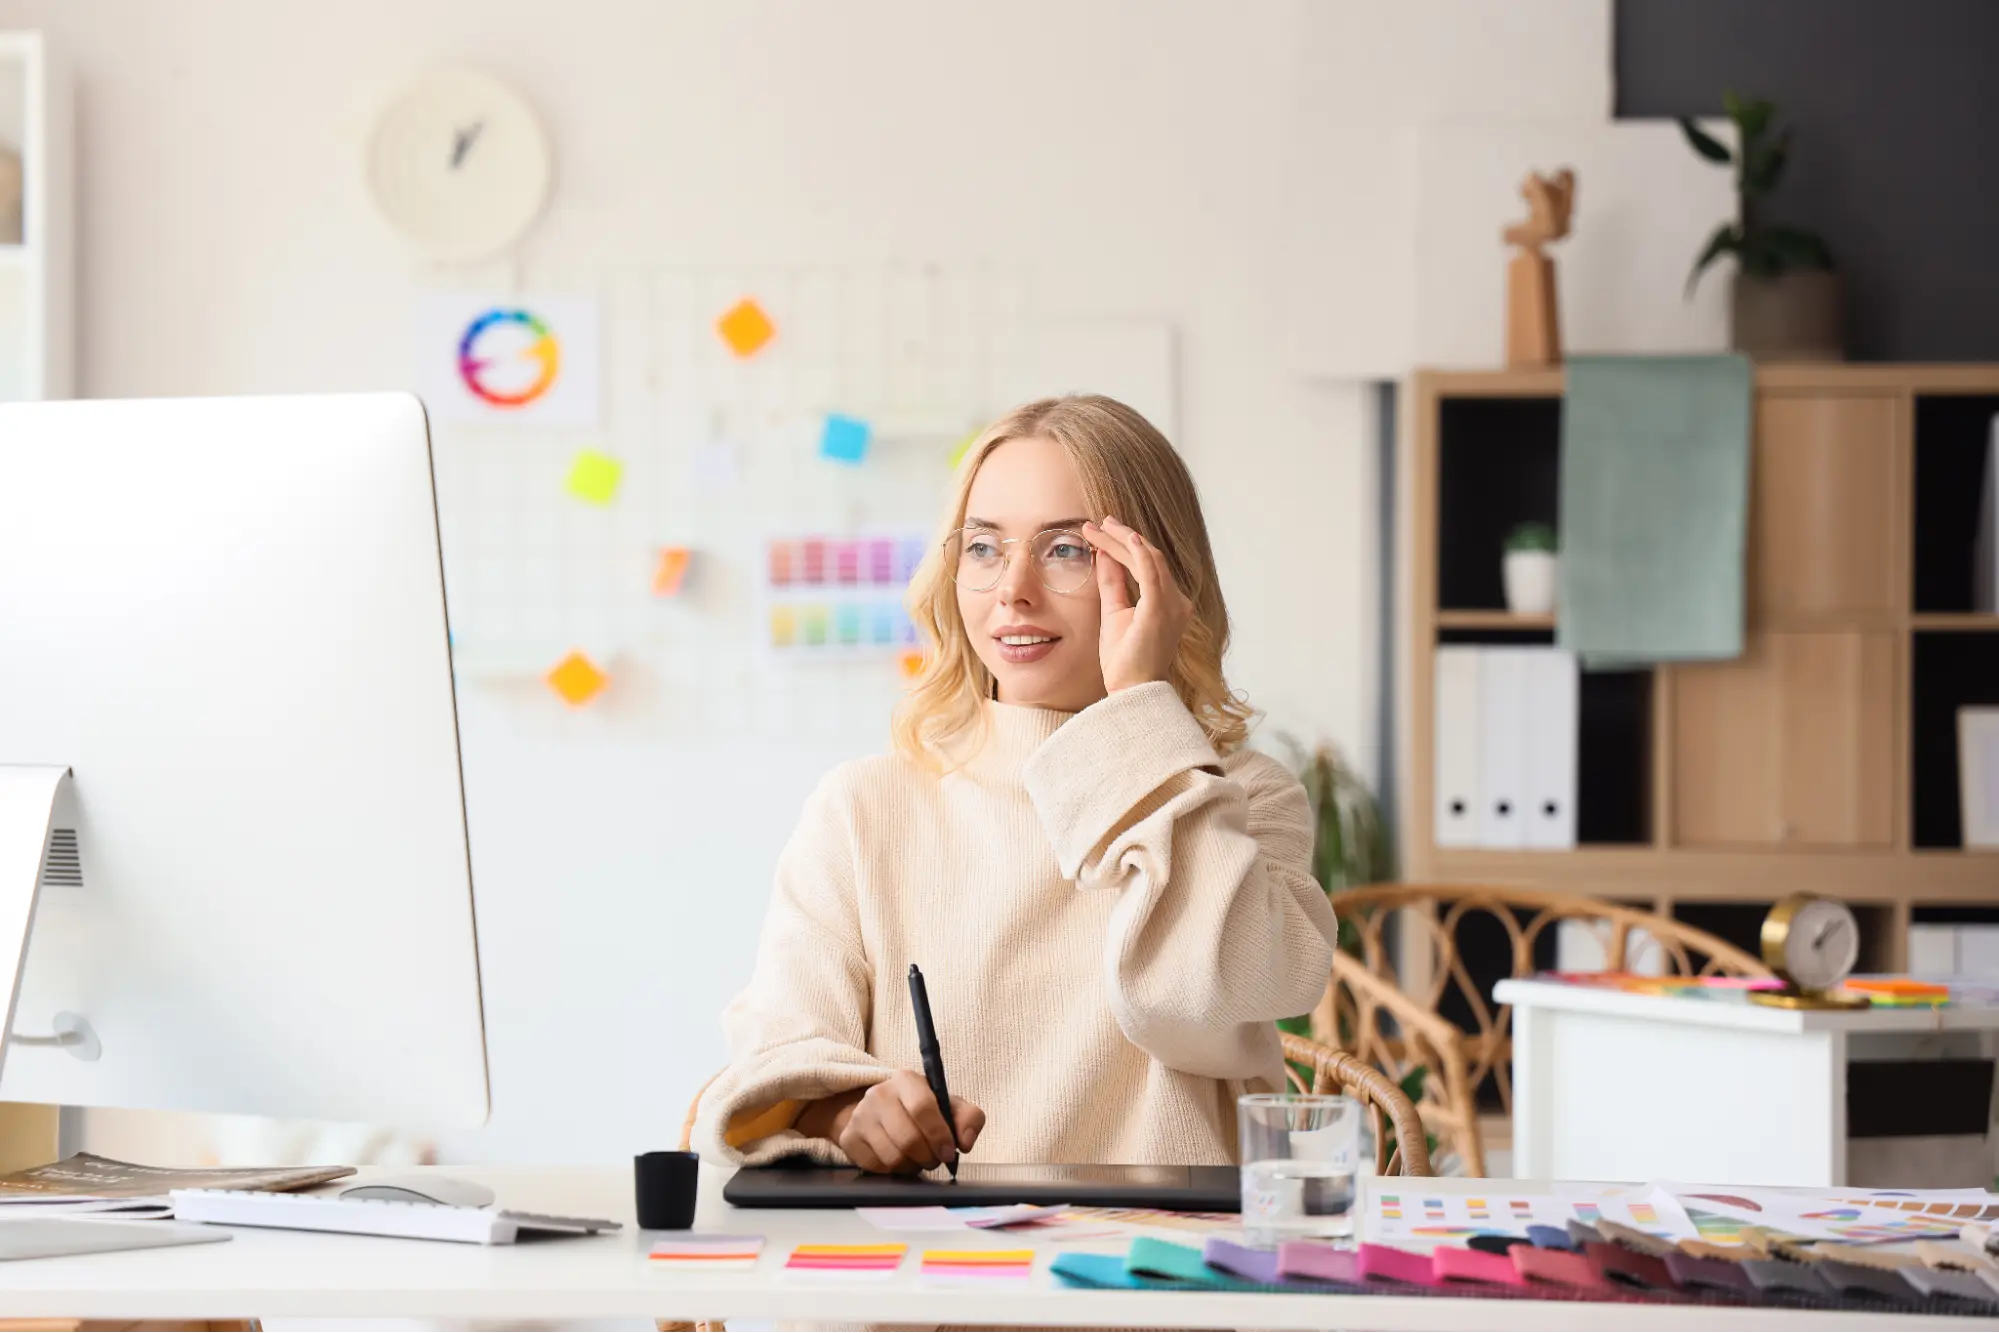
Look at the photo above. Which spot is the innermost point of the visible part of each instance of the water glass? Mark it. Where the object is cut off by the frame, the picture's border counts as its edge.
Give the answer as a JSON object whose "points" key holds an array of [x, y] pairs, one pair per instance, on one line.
{"points": [[1300, 1153]]}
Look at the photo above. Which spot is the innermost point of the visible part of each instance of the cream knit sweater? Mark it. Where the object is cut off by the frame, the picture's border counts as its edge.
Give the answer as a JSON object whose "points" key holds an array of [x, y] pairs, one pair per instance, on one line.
{"points": [[1108, 915]]}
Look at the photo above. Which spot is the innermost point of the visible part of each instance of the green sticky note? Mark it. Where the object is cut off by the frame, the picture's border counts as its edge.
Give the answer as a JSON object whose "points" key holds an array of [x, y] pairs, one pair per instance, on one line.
{"points": [[963, 447], [594, 477]]}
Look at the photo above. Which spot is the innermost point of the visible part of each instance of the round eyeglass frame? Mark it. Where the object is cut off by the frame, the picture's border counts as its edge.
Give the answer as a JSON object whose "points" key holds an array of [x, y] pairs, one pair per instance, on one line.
{"points": [[1006, 558]]}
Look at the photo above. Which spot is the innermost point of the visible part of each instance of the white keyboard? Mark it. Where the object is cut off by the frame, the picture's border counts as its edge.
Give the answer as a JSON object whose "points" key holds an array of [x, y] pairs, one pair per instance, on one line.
{"points": [[375, 1217]]}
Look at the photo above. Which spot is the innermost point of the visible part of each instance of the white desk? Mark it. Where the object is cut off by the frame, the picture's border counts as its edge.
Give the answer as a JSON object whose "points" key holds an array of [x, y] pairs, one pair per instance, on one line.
{"points": [[304, 1275], [1613, 1085]]}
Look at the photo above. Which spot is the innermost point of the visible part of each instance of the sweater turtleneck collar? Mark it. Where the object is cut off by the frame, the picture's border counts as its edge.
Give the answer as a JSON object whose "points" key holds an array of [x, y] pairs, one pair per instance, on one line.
{"points": [[1013, 732]]}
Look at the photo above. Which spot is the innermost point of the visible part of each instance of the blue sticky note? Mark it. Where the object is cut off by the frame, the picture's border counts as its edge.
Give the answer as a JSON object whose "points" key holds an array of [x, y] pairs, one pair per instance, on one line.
{"points": [[844, 439]]}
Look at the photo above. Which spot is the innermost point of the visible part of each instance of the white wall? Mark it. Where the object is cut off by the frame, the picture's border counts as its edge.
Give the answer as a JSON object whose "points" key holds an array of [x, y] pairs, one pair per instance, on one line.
{"points": [[1202, 163]]}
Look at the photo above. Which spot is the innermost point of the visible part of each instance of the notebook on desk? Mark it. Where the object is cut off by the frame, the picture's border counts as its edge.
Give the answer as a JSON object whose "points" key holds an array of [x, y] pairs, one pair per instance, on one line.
{"points": [[1191, 1189]]}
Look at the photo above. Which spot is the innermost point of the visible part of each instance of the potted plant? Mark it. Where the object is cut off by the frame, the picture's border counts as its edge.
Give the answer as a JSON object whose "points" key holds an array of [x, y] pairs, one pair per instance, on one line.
{"points": [[1785, 304], [1350, 845], [1531, 569]]}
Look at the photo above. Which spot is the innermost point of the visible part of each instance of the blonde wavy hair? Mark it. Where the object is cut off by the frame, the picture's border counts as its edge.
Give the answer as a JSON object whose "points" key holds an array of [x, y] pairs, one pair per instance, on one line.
{"points": [[1127, 469]]}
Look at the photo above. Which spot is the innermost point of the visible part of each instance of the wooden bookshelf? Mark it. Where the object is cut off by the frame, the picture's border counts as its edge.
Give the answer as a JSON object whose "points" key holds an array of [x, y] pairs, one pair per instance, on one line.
{"points": [[1825, 758]]}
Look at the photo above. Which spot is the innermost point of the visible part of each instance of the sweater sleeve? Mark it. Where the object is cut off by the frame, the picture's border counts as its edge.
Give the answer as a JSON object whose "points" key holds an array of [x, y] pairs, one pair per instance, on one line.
{"points": [[799, 1031], [1219, 928]]}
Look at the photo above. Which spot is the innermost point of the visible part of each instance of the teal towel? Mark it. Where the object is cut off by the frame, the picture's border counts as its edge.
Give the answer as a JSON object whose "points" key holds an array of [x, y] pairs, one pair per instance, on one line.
{"points": [[1654, 508]]}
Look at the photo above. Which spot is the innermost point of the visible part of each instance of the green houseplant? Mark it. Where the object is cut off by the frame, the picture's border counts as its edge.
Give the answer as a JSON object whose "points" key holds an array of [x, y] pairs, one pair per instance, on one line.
{"points": [[1351, 847], [1531, 571], [1785, 302]]}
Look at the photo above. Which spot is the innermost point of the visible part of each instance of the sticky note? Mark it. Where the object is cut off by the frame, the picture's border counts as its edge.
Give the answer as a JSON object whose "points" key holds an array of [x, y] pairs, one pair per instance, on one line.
{"points": [[703, 1252], [877, 1259], [745, 328], [978, 1265], [577, 679], [844, 439], [910, 664], [672, 569], [594, 477], [963, 447]]}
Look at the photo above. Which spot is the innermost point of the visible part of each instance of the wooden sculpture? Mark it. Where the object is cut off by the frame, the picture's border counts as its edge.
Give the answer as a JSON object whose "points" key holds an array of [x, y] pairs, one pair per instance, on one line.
{"points": [[1533, 324]]}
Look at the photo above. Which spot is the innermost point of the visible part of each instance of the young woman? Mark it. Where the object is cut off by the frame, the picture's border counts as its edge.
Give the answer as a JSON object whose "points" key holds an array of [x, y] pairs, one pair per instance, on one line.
{"points": [[1110, 899]]}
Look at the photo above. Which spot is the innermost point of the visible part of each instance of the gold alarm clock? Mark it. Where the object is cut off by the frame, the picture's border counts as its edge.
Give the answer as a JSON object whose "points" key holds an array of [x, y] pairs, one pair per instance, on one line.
{"points": [[1812, 944]]}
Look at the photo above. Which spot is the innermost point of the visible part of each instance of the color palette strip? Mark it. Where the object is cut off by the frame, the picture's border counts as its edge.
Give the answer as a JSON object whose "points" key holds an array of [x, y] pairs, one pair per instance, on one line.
{"points": [[704, 1252], [979, 1265], [877, 1259]]}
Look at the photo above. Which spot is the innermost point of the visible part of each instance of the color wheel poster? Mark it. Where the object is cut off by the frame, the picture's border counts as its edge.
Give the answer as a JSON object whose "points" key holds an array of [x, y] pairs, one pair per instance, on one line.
{"points": [[486, 358]]}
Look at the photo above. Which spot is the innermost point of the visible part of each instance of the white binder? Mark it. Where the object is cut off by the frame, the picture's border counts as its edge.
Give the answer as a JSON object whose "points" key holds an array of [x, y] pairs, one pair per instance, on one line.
{"points": [[1552, 700], [1503, 675], [1456, 739]]}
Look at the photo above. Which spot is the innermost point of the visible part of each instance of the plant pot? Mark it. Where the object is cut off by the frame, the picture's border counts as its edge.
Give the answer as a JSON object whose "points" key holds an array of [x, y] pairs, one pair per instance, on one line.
{"points": [[1531, 578], [1791, 317]]}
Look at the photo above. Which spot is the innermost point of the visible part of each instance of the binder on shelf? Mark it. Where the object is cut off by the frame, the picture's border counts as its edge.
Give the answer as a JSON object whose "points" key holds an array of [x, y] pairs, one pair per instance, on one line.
{"points": [[1985, 570], [1551, 720], [1503, 675], [1456, 819], [1932, 950]]}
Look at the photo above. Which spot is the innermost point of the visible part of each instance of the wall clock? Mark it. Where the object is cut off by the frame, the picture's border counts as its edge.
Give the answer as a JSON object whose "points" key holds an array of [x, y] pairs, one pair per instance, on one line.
{"points": [[459, 165]]}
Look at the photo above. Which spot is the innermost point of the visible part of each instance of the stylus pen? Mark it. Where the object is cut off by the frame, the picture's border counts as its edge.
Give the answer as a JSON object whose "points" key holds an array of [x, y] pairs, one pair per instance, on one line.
{"points": [[933, 1059]]}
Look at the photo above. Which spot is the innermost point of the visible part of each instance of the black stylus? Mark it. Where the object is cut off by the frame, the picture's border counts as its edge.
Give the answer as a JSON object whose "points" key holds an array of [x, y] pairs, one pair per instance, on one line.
{"points": [[933, 1059]]}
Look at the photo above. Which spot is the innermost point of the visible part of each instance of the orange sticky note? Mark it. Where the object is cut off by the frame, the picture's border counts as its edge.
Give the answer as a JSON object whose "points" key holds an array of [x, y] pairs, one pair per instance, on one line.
{"points": [[746, 328], [910, 664], [672, 569], [577, 679]]}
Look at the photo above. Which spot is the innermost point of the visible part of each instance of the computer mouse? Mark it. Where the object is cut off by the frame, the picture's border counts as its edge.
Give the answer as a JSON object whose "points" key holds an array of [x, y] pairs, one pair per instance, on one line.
{"points": [[447, 1190]]}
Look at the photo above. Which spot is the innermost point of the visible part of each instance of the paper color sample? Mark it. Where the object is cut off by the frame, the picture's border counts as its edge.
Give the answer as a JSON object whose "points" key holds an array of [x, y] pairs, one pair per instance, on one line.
{"points": [[745, 328], [934, 1218], [717, 465], [878, 1261], [577, 679], [1838, 1215], [708, 1252], [594, 477], [671, 572], [490, 358], [1404, 1214], [939, 1218], [978, 1265], [844, 440]]}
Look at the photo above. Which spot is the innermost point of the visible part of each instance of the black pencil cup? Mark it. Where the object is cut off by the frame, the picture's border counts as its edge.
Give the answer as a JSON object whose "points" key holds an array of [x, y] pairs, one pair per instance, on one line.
{"points": [[666, 1184]]}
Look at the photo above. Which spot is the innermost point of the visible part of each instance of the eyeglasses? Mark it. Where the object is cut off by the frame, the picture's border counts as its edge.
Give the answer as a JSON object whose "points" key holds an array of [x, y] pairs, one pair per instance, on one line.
{"points": [[977, 558]]}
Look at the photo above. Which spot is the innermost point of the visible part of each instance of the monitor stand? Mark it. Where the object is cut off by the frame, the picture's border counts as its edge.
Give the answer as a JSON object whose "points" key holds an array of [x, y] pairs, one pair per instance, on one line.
{"points": [[30, 797]]}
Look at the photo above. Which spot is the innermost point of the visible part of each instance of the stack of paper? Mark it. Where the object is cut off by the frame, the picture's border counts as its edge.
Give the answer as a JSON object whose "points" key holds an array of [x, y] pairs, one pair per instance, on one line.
{"points": [[87, 1183]]}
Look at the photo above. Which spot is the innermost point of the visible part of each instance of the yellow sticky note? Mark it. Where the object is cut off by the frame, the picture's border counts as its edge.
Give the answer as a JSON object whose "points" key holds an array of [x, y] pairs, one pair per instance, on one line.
{"points": [[746, 328], [963, 447], [666, 579], [577, 679], [594, 477], [910, 664]]}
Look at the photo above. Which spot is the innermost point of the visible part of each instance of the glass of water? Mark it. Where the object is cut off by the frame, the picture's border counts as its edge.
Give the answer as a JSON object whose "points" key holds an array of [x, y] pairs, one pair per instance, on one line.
{"points": [[1300, 1152]]}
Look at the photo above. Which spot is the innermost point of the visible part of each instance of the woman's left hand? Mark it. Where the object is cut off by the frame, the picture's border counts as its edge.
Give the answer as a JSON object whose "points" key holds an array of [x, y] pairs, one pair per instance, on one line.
{"points": [[1138, 641]]}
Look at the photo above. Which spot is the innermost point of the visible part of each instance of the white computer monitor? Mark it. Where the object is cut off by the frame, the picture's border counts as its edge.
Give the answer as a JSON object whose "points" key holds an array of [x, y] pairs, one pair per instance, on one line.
{"points": [[225, 619]]}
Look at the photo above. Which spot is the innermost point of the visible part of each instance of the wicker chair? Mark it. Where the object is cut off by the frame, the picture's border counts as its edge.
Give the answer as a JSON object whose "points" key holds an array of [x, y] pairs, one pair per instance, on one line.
{"points": [[1328, 1070], [1396, 1028]]}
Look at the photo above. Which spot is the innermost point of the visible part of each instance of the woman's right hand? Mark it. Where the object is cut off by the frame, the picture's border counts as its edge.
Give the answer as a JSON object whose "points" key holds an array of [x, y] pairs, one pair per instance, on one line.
{"points": [[895, 1126]]}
